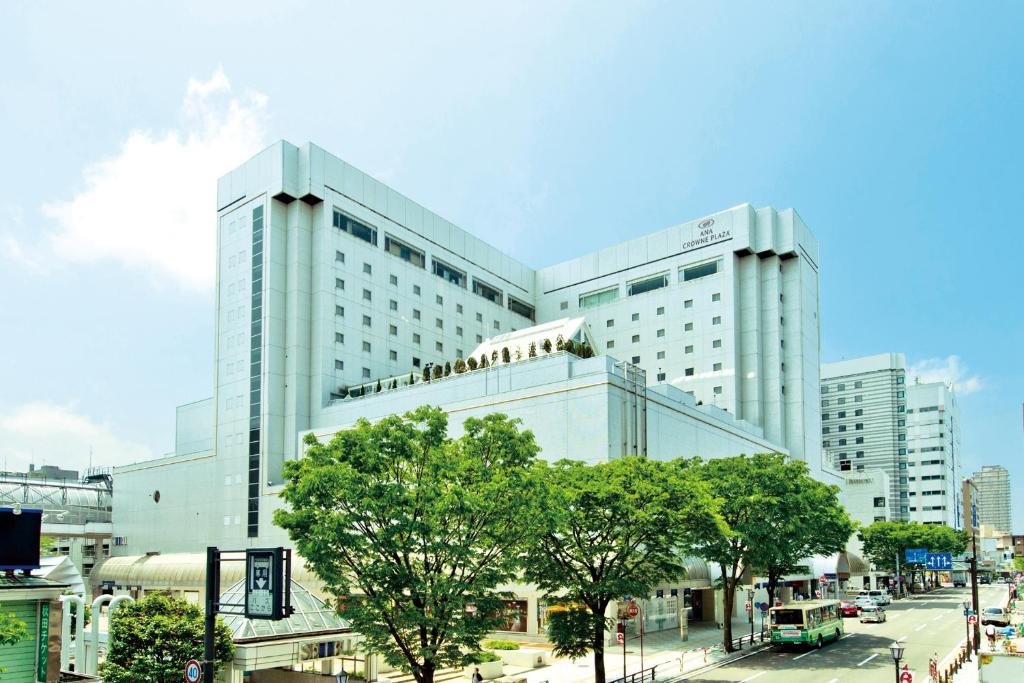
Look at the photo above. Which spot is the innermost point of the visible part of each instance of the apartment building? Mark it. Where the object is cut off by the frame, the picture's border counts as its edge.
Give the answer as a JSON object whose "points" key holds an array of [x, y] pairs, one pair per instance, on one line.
{"points": [[933, 455], [994, 503]]}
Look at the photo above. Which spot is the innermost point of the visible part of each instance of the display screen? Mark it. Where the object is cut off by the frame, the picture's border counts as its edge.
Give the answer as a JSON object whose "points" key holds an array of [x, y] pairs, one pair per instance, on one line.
{"points": [[19, 538]]}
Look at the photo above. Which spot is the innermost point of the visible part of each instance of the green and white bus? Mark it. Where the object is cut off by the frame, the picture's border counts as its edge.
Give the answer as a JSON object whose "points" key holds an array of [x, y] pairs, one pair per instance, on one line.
{"points": [[811, 622]]}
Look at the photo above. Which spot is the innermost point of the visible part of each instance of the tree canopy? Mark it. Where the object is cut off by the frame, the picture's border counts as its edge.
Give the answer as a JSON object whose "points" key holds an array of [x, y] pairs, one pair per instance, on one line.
{"points": [[619, 528], [884, 541], [413, 530], [151, 639]]}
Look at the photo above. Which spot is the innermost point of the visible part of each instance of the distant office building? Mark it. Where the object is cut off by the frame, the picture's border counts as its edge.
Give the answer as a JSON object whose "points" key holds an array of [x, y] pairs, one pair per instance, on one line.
{"points": [[969, 502], [52, 472], [933, 454], [994, 507], [864, 421], [865, 495]]}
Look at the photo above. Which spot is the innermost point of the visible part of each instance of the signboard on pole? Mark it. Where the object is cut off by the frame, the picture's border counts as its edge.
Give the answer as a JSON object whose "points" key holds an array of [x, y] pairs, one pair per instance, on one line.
{"points": [[193, 671], [620, 638], [823, 580], [972, 619], [632, 609], [906, 677], [264, 589], [916, 555], [939, 561]]}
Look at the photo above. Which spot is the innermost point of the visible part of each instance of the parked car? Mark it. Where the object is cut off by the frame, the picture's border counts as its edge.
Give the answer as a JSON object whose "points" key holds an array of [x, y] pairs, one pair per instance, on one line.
{"points": [[959, 583], [863, 601], [880, 597], [983, 580], [996, 616], [875, 614], [848, 608]]}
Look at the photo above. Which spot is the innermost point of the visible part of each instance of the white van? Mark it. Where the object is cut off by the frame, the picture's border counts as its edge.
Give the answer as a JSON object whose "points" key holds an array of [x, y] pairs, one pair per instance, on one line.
{"points": [[881, 597]]}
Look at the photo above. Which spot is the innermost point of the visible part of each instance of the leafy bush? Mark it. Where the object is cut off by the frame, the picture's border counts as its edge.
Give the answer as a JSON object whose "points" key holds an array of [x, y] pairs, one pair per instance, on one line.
{"points": [[484, 656], [447, 368], [500, 644], [505, 356], [546, 345], [438, 370], [559, 343], [460, 366], [471, 363], [533, 350]]}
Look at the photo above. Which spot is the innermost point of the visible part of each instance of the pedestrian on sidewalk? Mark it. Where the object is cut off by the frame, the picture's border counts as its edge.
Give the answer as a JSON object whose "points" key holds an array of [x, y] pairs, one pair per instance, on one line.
{"points": [[477, 676], [990, 632]]}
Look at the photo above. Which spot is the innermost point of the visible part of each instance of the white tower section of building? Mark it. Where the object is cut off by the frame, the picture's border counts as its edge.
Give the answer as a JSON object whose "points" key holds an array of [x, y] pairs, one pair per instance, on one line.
{"points": [[933, 455]]}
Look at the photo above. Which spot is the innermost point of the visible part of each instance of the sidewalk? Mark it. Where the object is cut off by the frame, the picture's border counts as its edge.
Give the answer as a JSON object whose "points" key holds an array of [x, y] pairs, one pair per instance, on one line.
{"points": [[663, 648]]}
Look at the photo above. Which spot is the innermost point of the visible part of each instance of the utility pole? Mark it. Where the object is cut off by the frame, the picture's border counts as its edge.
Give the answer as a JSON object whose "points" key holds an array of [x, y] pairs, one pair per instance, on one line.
{"points": [[974, 586], [897, 587]]}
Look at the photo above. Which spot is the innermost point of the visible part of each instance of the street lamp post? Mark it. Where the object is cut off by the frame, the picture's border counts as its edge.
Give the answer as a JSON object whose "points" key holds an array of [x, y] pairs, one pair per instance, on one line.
{"points": [[967, 625], [896, 649]]}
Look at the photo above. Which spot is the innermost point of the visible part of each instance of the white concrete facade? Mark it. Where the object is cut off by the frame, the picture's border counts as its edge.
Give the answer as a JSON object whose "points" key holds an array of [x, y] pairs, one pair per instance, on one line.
{"points": [[863, 418], [994, 502], [933, 455], [865, 495]]}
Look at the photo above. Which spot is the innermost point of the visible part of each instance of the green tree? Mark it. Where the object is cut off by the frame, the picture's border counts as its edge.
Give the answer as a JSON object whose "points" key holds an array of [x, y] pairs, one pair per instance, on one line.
{"points": [[438, 371], [12, 631], [559, 343], [483, 360], [885, 541], [426, 373], [546, 345], [1018, 563], [807, 520], [447, 368], [532, 351], [46, 544], [416, 529], [152, 638], [618, 529], [471, 363], [506, 357], [747, 489], [460, 366]]}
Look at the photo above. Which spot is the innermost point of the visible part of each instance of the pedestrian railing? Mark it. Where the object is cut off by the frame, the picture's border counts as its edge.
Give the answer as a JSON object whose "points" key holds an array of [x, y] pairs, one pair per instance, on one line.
{"points": [[638, 677]]}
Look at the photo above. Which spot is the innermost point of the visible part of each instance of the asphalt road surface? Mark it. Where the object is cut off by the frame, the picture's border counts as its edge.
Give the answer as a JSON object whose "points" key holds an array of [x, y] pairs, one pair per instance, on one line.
{"points": [[931, 625]]}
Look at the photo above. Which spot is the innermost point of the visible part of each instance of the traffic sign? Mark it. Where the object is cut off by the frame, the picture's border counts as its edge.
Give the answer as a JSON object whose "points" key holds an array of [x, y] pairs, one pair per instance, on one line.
{"points": [[817, 594], [939, 561], [972, 619], [906, 677], [916, 555], [193, 671], [632, 610], [620, 638], [264, 590], [747, 606], [823, 580]]}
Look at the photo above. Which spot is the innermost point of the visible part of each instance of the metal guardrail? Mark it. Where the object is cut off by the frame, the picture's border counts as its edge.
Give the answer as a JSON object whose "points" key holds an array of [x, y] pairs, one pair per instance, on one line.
{"points": [[638, 677]]}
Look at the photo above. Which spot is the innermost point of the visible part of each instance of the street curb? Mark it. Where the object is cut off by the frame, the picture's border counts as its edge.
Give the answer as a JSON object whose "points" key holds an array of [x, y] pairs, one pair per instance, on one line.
{"points": [[711, 667]]}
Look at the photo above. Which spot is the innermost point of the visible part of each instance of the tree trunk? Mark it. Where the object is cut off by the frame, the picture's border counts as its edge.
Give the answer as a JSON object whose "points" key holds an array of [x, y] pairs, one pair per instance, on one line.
{"points": [[426, 672], [598, 642], [773, 584], [728, 600]]}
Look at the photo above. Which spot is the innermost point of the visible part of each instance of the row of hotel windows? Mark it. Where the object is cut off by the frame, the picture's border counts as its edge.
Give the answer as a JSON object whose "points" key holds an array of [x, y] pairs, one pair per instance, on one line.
{"points": [[842, 413], [417, 258], [842, 428], [339, 338], [926, 409], [929, 508], [339, 364], [635, 339], [649, 283], [930, 477], [339, 311], [929, 493], [859, 398], [857, 384]]}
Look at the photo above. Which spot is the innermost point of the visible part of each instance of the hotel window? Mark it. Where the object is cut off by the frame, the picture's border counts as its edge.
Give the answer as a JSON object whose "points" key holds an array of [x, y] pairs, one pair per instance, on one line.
{"points": [[366, 321], [841, 414], [660, 311], [688, 327], [458, 331], [716, 367], [438, 323], [636, 360], [449, 273], [842, 442], [393, 305], [339, 311], [497, 325], [901, 437], [841, 387], [486, 291], [858, 384], [393, 279], [688, 348], [366, 347], [609, 323], [860, 454], [404, 252], [523, 309], [458, 353], [688, 372], [842, 428], [859, 439], [636, 316], [366, 373], [339, 365], [479, 338], [415, 314], [648, 284], [824, 403], [415, 338], [718, 390], [439, 347], [598, 298], [439, 299], [458, 308], [416, 290], [899, 379], [661, 333], [355, 228], [339, 283], [393, 355], [716, 344], [841, 400], [858, 426], [900, 394], [610, 344], [339, 338], [415, 362], [825, 416], [661, 376], [824, 388], [661, 355], [393, 330], [367, 296], [688, 303], [858, 398], [368, 269], [717, 320], [716, 297], [479, 317], [701, 270], [858, 412], [563, 306], [636, 338], [339, 257]]}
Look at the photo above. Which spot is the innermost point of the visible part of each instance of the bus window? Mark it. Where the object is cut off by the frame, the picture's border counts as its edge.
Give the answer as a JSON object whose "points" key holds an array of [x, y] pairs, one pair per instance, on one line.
{"points": [[787, 617]]}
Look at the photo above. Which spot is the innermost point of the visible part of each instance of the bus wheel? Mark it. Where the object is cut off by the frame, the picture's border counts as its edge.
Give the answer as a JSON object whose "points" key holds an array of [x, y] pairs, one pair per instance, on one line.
{"points": [[819, 641], [837, 635]]}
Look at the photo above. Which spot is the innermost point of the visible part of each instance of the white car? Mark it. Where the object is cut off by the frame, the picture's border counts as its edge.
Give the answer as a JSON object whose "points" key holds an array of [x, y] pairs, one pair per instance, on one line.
{"points": [[879, 596], [865, 601]]}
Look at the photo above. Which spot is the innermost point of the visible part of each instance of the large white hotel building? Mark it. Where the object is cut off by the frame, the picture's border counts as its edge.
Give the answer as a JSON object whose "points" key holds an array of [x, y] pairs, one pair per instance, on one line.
{"points": [[330, 283]]}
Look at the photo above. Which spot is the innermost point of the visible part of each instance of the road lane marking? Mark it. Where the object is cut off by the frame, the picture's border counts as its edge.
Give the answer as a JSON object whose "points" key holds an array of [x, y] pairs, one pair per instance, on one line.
{"points": [[920, 627], [809, 652], [901, 638], [757, 675], [937, 618], [848, 635], [868, 659], [834, 680]]}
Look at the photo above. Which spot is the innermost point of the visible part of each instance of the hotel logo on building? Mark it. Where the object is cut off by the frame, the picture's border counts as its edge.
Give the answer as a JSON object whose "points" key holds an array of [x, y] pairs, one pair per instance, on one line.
{"points": [[707, 232]]}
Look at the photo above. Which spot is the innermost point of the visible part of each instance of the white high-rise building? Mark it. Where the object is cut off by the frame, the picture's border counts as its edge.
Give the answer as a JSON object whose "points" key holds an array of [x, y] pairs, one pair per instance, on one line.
{"points": [[994, 503], [933, 455], [864, 421]]}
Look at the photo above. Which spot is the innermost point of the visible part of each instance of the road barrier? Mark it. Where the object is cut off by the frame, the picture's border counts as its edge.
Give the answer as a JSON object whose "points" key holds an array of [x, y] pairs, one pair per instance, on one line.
{"points": [[638, 677]]}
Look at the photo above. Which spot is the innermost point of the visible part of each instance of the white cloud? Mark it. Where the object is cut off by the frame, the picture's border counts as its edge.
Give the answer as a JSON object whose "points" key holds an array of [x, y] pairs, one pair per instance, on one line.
{"points": [[50, 434], [12, 222], [948, 370], [151, 206]]}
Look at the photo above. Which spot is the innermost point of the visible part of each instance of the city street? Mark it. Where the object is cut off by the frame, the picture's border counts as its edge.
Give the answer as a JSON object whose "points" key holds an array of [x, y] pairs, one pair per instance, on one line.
{"points": [[931, 625]]}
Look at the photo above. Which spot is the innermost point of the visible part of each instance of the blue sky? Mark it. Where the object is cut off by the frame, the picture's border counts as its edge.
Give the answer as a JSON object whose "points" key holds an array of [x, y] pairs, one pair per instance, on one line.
{"points": [[548, 129]]}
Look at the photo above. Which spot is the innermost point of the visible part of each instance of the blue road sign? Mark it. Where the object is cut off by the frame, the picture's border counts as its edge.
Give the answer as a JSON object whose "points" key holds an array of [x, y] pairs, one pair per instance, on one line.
{"points": [[974, 514], [916, 555], [939, 561]]}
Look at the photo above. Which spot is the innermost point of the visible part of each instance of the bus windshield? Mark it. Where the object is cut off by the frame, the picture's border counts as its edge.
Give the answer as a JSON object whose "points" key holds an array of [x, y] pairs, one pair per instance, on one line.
{"points": [[787, 617]]}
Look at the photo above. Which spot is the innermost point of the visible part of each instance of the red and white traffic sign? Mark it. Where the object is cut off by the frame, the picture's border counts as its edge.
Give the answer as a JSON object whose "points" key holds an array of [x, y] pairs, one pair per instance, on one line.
{"points": [[817, 594], [906, 676], [620, 638], [632, 609], [972, 619], [823, 580], [747, 606], [193, 671]]}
